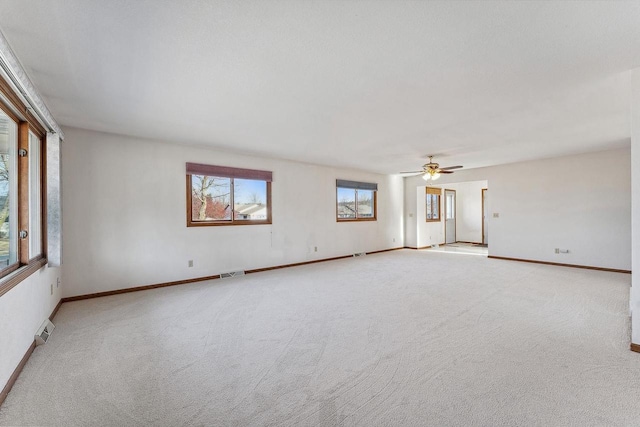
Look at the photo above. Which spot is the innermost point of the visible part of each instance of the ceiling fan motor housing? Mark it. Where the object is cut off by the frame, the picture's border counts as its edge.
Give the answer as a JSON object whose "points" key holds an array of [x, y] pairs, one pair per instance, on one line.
{"points": [[431, 165]]}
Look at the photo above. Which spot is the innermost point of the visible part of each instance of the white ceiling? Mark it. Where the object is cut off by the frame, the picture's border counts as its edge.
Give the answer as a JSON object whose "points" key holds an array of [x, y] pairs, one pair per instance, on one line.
{"points": [[373, 85]]}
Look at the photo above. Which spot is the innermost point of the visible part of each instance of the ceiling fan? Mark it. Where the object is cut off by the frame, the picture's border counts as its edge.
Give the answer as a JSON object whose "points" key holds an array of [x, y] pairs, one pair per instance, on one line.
{"points": [[431, 171]]}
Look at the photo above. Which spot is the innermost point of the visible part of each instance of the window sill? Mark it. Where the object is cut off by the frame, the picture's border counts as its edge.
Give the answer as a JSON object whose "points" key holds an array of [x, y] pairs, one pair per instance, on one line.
{"points": [[356, 219], [432, 220], [9, 282], [226, 224]]}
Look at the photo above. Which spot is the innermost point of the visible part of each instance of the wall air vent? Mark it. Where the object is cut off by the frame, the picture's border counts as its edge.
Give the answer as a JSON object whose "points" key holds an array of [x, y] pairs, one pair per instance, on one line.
{"points": [[359, 254], [44, 332], [232, 274]]}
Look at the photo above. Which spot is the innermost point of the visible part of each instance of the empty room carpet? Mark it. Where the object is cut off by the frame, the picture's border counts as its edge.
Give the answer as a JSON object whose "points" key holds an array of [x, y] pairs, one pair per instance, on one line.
{"points": [[402, 338]]}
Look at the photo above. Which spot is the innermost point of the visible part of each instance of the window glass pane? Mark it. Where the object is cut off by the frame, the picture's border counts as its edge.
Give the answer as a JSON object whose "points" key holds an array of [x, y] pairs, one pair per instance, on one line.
{"points": [[450, 206], [346, 203], [210, 198], [436, 206], [429, 196], [365, 204], [250, 199], [8, 191], [35, 212]]}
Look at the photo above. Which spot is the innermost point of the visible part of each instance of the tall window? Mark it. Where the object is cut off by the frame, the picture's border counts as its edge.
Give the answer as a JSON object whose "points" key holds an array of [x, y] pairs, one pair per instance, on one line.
{"points": [[21, 217], [8, 191], [35, 195], [220, 195], [356, 201], [433, 204]]}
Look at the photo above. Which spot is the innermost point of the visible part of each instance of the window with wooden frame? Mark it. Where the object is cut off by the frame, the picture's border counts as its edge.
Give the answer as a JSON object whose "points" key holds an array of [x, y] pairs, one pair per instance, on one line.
{"points": [[221, 195], [356, 201], [433, 204], [22, 226]]}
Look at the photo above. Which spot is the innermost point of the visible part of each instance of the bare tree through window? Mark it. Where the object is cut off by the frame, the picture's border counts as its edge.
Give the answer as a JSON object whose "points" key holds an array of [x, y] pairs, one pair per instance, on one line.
{"points": [[215, 199], [211, 197], [355, 204]]}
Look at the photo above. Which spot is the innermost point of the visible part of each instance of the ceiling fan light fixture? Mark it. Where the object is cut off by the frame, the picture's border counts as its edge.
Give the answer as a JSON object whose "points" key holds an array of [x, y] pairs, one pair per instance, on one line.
{"points": [[431, 175]]}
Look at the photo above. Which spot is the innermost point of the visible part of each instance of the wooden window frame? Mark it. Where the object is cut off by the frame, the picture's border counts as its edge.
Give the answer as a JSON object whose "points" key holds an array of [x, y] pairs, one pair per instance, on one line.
{"points": [[222, 222], [356, 219], [437, 193], [16, 110]]}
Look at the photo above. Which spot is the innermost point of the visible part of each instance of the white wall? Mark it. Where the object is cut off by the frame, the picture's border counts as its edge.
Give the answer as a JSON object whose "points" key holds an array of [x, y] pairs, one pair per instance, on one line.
{"points": [[468, 210], [125, 215], [22, 311], [634, 300], [554, 203], [410, 213]]}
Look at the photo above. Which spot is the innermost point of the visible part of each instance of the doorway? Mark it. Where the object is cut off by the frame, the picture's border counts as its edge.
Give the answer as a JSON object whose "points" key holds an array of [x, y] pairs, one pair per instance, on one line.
{"points": [[485, 217], [450, 216]]}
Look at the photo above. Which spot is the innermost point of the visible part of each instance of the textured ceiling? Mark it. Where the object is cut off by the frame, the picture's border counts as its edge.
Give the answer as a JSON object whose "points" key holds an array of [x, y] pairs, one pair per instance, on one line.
{"points": [[373, 85]]}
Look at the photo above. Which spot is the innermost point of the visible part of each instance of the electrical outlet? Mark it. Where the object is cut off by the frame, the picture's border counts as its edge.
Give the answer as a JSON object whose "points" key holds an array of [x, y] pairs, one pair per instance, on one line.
{"points": [[52, 289], [190, 263], [394, 240], [58, 283], [315, 249], [496, 215], [557, 250]]}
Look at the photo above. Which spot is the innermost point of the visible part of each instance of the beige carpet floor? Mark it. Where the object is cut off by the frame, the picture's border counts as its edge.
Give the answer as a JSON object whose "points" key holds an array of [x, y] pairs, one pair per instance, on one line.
{"points": [[405, 338]]}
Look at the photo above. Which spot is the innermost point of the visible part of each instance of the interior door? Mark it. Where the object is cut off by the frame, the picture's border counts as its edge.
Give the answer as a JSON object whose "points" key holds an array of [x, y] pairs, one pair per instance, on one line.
{"points": [[485, 216], [450, 216]]}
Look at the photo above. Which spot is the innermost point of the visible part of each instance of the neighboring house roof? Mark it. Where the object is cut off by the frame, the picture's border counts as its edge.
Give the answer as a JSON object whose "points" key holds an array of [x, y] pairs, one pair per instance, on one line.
{"points": [[249, 208]]}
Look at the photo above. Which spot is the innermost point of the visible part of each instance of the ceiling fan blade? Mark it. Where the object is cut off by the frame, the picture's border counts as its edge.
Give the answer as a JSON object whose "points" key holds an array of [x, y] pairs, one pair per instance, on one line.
{"points": [[450, 167], [443, 171], [413, 172]]}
